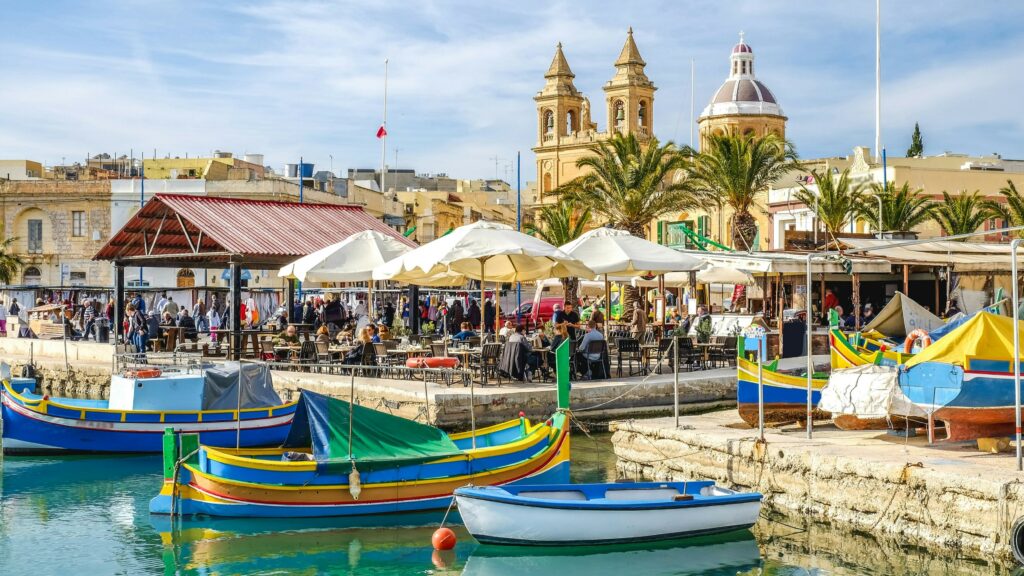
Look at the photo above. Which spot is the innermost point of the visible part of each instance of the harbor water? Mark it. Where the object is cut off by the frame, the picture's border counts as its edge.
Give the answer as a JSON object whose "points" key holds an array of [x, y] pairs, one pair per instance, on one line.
{"points": [[88, 515]]}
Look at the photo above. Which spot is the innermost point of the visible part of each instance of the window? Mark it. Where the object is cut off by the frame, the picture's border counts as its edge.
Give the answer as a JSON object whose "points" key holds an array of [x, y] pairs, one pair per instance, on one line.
{"points": [[642, 114], [77, 223], [32, 277], [549, 122], [35, 236], [77, 278]]}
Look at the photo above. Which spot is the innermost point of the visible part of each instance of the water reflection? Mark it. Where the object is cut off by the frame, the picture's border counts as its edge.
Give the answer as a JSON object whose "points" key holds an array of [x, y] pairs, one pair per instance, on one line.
{"points": [[712, 556], [395, 545]]}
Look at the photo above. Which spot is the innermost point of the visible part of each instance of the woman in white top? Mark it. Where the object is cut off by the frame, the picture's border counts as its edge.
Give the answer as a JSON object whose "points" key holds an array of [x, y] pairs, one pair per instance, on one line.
{"points": [[214, 319]]}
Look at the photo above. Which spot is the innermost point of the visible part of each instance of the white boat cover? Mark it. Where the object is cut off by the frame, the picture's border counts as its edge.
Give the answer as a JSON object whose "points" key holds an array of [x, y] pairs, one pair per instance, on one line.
{"points": [[867, 392], [901, 316]]}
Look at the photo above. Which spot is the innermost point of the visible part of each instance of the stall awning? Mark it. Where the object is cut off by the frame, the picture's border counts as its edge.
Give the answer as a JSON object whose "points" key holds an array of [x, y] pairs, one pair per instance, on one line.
{"points": [[181, 230], [788, 263], [962, 256]]}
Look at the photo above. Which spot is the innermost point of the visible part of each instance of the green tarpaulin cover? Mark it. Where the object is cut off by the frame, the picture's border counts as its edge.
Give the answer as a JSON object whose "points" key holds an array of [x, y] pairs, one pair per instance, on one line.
{"points": [[379, 440]]}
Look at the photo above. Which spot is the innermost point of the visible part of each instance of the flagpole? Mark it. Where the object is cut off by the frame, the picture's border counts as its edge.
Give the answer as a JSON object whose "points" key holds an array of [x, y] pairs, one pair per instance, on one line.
{"points": [[878, 80], [691, 101], [384, 130]]}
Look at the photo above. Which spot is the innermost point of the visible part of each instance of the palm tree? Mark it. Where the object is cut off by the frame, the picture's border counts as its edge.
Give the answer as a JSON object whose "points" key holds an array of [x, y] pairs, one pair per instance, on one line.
{"points": [[561, 223], [836, 200], [1012, 211], [734, 169], [628, 185], [961, 213], [10, 263], [903, 208]]}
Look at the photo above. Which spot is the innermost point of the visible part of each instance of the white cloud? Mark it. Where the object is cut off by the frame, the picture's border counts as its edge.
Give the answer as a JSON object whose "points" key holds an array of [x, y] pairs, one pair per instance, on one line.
{"points": [[305, 78]]}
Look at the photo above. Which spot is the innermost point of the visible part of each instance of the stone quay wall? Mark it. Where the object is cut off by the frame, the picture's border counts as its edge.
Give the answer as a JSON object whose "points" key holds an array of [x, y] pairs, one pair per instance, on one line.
{"points": [[929, 506]]}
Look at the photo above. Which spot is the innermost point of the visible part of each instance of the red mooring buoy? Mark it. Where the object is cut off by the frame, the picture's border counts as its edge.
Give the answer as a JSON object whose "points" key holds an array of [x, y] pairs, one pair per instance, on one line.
{"points": [[443, 539]]}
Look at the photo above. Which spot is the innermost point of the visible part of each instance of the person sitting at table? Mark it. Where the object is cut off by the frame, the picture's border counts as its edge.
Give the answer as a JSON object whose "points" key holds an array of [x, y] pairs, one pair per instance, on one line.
{"points": [[465, 333], [533, 358], [371, 330], [323, 334], [561, 335], [568, 317], [507, 329], [592, 335], [383, 332], [355, 355], [188, 325], [290, 337], [165, 323]]}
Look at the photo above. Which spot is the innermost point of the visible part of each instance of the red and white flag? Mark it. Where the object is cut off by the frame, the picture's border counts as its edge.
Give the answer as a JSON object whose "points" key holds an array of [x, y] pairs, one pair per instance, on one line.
{"points": [[381, 132]]}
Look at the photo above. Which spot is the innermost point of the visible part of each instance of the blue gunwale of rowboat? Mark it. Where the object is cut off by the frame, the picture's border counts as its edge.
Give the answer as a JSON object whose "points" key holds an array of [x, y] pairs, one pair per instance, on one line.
{"points": [[595, 496]]}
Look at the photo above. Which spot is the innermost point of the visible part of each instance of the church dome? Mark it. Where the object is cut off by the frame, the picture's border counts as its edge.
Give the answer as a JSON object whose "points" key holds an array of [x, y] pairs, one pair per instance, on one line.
{"points": [[742, 93]]}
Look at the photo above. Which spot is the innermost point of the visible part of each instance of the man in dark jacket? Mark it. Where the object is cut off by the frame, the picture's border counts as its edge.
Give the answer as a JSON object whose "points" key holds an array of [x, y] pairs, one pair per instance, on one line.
{"points": [[489, 313], [473, 315], [389, 313]]}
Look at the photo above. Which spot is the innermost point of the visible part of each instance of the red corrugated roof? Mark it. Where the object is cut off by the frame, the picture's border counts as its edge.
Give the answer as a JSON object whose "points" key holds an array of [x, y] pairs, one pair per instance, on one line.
{"points": [[257, 230]]}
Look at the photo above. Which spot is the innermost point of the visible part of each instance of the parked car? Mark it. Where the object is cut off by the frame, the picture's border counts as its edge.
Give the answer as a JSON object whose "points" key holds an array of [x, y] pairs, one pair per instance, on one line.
{"points": [[544, 310]]}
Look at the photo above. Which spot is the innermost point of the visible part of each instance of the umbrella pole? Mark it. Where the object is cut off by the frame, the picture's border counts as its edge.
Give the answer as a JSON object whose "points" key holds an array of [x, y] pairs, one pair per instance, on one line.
{"points": [[497, 307], [483, 294], [607, 303], [369, 301]]}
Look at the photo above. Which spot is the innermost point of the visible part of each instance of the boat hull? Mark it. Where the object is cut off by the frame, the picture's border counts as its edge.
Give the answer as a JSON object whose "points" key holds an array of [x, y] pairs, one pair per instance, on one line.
{"points": [[420, 488], [785, 395], [536, 522], [976, 402], [44, 427]]}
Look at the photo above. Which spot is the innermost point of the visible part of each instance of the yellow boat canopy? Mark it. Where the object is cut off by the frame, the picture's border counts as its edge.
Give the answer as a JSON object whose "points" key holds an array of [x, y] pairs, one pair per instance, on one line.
{"points": [[986, 335]]}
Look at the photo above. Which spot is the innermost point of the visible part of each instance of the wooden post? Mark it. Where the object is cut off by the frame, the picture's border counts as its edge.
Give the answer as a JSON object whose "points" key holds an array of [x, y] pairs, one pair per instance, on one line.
{"points": [[117, 333], [821, 297], [782, 306], [906, 279], [856, 301]]}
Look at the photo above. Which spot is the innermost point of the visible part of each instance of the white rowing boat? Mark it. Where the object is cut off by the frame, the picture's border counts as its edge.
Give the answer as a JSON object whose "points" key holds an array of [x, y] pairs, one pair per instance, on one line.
{"points": [[589, 514]]}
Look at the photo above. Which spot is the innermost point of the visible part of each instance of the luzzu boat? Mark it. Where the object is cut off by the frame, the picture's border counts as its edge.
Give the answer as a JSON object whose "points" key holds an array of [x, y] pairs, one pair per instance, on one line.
{"points": [[347, 460], [966, 379], [861, 349], [785, 395], [141, 407]]}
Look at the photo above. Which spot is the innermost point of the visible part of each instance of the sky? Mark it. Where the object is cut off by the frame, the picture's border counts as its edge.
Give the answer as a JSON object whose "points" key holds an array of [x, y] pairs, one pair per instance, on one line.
{"points": [[292, 79]]}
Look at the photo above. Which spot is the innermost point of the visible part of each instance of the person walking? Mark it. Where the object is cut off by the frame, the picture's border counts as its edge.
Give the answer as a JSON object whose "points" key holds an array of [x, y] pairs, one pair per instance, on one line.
{"points": [[88, 318], [3, 319], [138, 329]]}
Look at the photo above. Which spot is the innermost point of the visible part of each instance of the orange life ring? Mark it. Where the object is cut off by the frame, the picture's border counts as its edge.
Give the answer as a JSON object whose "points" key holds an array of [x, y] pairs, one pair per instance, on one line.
{"points": [[919, 334], [432, 362], [147, 373]]}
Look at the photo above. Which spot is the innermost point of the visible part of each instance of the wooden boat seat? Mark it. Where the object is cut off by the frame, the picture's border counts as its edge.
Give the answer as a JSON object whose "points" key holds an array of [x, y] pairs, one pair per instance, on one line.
{"points": [[641, 494]]}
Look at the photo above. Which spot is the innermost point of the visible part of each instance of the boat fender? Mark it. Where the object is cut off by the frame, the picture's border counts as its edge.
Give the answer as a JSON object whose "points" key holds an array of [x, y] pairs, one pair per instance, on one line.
{"points": [[443, 539], [147, 373], [355, 487], [1017, 539], [918, 334]]}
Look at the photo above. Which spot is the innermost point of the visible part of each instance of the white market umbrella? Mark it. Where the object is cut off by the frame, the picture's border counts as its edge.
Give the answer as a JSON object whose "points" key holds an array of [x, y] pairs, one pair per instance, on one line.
{"points": [[351, 260], [617, 252], [485, 251]]}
